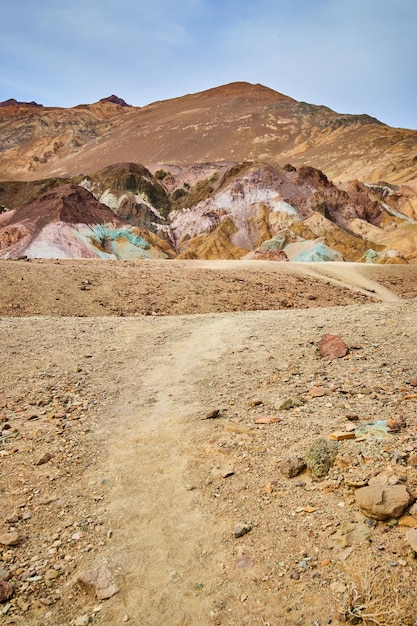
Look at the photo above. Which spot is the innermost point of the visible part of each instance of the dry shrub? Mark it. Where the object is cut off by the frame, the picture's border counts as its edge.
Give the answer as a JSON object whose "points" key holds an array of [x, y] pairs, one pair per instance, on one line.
{"points": [[376, 597]]}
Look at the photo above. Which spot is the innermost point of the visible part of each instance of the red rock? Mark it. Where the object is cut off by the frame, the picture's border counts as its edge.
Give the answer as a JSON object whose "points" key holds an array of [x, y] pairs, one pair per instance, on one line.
{"points": [[332, 347], [273, 419], [6, 590], [317, 392]]}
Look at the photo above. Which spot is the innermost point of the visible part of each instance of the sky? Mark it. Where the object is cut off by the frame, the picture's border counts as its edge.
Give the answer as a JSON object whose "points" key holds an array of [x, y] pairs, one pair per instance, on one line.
{"points": [[354, 56]]}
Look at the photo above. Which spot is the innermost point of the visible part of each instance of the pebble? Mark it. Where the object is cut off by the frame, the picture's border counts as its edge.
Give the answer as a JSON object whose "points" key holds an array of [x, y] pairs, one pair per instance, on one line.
{"points": [[10, 539], [332, 347], [100, 581], [411, 537], [82, 620], [44, 459], [6, 590], [241, 529]]}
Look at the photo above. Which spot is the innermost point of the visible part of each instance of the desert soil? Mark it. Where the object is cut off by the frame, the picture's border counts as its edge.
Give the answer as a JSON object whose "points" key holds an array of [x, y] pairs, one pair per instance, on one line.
{"points": [[108, 454]]}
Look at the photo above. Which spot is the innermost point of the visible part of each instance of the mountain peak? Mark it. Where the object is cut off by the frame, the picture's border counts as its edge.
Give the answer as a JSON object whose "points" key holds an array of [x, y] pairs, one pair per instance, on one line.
{"points": [[13, 102], [115, 100]]}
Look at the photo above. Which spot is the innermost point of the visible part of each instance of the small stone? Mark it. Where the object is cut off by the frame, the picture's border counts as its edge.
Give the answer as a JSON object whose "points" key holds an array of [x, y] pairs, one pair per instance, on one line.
{"points": [[44, 459], [337, 587], [396, 423], [4, 574], [292, 466], [413, 381], [408, 521], [125, 618], [412, 459], [272, 419], [332, 347], [244, 562], [256, 402], [82, 620], [411, 537], [213, 414], [317, 392], [286, 405], [383, 502], [10, 539], [243, 597], [341, 435], [241, 529], [99, 581], [6, 591], [49, 576]]}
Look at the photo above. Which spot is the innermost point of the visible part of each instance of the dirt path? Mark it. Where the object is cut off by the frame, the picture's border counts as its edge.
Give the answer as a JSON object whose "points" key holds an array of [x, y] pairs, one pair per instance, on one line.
{"points": [[350, 275], [160, 533]]}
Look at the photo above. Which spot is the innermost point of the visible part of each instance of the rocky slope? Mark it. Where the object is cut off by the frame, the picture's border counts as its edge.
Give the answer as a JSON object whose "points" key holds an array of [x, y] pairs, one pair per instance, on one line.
{"points": [[209, 211], [67, 222], [208, 176], [234, 122]]}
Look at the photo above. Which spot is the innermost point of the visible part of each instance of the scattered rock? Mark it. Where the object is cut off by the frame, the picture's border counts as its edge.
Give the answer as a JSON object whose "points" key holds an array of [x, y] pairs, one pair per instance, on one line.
{"points": [[10, 539], [383, 502], [341, 435], [332, 347], [286, 405], [213, 414], [411, 536], [4, 574], [82, 620], [408, 521], [292, 466], [273, 419], [99, 581], [338, 587], [6, 590], [243, 562], [412, 459], [241, 529], [317, 392], [349, 534], [396, 423], [45, 458]]}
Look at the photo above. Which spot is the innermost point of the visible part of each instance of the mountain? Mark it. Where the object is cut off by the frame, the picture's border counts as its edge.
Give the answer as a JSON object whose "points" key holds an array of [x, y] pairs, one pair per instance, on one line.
{"points": [[235, 122], [238, 170]]}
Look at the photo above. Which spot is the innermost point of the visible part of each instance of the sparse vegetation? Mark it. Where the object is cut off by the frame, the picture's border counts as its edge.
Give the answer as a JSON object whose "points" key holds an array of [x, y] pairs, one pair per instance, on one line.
{"points": [[374, 597], [320, 456]]}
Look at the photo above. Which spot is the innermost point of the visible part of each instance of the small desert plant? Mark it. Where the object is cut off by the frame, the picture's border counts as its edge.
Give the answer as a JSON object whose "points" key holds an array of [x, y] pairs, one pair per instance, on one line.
{"points": [[320, 455], [376, 598]]}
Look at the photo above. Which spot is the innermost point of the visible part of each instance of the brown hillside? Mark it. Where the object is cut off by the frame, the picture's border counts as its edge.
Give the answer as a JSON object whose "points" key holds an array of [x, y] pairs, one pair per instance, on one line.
{"points": [[235, 122]]}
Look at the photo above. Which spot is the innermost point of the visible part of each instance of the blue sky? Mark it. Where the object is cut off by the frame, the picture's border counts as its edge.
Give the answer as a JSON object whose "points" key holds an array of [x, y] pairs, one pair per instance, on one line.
{"points": [[355, 56]]}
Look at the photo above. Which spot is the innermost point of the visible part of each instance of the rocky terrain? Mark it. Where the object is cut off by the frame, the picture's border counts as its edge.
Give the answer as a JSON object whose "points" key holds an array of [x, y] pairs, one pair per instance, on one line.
{"points": [[235, 122], [153, 467], [238, 171]]}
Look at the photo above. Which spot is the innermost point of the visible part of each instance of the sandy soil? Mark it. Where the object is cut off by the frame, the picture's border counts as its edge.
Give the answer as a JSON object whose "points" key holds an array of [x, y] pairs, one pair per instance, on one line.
{"points": [[141, 479]]}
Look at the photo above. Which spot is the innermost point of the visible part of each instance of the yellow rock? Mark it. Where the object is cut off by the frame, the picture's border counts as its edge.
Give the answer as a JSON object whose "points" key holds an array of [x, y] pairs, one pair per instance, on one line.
{"points": [[407, 520], [341, 435]]}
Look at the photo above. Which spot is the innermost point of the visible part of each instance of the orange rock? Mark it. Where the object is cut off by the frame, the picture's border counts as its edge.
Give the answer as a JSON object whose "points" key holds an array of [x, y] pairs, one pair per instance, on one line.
{"points": [[407, 520], [273, 419], [341, 435]]}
